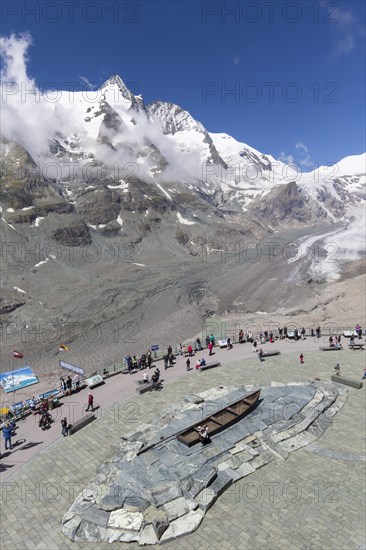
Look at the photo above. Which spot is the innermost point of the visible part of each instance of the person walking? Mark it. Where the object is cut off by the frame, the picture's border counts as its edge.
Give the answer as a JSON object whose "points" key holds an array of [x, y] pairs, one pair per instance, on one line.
{"points": [[188, 364], [254, 350], [260, 355], [65, 430], [7, 432], [301, 359], [210, 346], [90, 402]]}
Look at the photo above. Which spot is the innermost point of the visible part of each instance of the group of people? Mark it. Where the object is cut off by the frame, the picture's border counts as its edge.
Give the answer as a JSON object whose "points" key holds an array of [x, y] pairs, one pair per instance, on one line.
{"points": [[139, 363], [155, 379]]}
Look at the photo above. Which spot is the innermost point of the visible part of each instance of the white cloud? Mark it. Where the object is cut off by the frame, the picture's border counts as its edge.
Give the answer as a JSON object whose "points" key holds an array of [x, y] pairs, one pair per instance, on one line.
{"points": [[345, 45], [89, 85], [307, 162], [301, 147], [287, 159], [34, 119], [347, 32]]}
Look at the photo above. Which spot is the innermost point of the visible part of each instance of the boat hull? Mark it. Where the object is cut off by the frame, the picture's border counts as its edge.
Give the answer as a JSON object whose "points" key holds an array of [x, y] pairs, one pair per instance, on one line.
{"points": [[220, 420]]}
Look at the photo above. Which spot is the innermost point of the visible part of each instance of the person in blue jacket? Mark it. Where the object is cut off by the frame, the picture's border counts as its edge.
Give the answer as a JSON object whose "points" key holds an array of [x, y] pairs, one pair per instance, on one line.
{"points": [[7, 432]]}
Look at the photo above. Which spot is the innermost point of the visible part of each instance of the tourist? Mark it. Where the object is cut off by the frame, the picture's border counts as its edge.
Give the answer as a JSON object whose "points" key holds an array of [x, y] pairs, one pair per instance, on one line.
{"points": [[65, 430], [271, 337], [190, 351], [260, 355], [331, 341], [212, 339], [203, 433], [364, 374], [134, 362], [210, 346], [254, 346], [7, 433], [241, 336], [229, 344], [198, 363], [312, 332], [69, 385], [32, 405], [170, 358], [198, 345], [188, 364], [180, 350], [207, 340], [63, 384], [203, 362], [301, 359], [165, 359], [280, 332], [318, 331], [145, 377], [90, 402], [302, 333], [149, 359]]}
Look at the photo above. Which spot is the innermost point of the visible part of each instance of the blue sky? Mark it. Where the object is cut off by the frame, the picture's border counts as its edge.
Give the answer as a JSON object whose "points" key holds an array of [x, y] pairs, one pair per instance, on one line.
{"points": [[295, 70]]}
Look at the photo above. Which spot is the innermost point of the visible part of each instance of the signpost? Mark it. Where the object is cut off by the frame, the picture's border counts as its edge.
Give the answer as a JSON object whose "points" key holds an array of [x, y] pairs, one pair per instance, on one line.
{"points": [[154, 348]]}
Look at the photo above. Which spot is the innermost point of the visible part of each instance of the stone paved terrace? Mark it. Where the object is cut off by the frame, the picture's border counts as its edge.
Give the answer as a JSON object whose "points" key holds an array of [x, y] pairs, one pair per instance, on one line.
{"points": [[313, 500]]}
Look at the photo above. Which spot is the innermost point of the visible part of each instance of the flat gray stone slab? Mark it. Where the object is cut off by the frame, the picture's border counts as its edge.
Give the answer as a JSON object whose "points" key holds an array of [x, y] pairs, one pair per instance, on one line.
{"points": [[154, 496]]}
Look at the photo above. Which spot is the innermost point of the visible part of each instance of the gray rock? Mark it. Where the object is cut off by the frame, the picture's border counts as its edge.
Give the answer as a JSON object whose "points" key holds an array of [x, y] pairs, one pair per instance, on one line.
{"points": [[70, 525], [176, 508], [182, 526], [160, 526], [222, 482], [205, 498], [122, 519], [205, 475], [148, 536], [96, 516], [165, 493]]}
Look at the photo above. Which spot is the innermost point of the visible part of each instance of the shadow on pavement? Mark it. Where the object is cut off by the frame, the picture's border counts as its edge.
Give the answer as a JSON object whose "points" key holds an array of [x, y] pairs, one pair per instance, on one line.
{"points": [[30, 445]]}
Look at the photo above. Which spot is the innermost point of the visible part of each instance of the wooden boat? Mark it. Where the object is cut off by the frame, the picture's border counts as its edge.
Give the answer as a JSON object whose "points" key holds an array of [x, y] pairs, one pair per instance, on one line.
{"points": [[220, 420]]}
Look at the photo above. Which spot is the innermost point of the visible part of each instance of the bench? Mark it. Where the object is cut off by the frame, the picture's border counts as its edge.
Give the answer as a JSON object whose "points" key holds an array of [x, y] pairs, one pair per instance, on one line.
{"points": [[330, 348], [209, 366], [271, 352], [81, 423], [356, 346], [142, 388], [341, 380]]}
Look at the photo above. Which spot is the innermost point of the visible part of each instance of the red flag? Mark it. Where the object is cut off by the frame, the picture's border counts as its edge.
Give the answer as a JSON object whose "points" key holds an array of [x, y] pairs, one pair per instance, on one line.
{"points": [[17, 354]]}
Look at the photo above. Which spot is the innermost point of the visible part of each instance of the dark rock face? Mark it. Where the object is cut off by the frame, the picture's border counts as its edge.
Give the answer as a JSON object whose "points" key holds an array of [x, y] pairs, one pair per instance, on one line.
{"points": [[99, 207], [72, 231], [284, 205]]}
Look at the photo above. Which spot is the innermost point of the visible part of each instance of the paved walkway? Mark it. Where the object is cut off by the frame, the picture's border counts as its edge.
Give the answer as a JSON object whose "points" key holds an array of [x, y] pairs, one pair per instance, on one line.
{"points": [[315, 499]]}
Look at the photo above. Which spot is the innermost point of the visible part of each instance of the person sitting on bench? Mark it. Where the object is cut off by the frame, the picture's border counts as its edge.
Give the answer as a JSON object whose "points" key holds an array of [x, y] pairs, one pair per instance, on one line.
{"points": [[145, 377], [203, 433]]}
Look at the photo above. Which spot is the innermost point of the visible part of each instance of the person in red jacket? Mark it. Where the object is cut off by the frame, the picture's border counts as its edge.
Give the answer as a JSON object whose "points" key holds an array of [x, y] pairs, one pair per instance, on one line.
{"points": [[90, 402]]}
